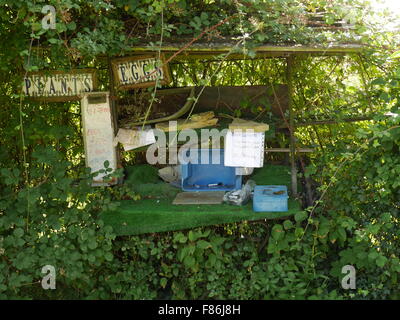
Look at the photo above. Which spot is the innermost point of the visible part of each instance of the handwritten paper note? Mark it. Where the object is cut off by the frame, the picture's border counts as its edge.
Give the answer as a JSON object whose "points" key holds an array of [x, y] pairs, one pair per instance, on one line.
{"points": [[244, 148], [132, 139], [98, 134]]}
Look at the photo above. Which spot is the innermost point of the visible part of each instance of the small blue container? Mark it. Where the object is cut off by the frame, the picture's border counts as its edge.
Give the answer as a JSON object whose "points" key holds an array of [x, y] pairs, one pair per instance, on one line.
{"points": [[204, 175], [270, 199]]}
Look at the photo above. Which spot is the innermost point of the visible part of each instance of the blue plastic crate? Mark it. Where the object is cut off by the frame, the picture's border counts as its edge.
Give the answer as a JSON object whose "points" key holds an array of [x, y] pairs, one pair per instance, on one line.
{"points": [[270, 199], [208, 176]]}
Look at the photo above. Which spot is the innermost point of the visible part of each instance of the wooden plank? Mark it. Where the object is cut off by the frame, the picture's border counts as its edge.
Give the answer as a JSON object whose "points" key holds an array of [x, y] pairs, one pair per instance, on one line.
{"points": [[130, 72], [226, 99], [203, 197], [331, 121], [59, 86], [240, 124], [182, 124], [224, 47], [196, 121], [287, 150], [187, 104]]}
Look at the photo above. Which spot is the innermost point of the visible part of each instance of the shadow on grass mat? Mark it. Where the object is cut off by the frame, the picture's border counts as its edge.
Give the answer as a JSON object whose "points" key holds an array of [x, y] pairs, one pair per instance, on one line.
{"points": [[156, 213]]}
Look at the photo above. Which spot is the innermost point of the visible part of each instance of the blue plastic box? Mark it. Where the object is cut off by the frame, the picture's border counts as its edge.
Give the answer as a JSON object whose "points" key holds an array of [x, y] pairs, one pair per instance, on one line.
{"points": [[208, 176], [270, 199]]}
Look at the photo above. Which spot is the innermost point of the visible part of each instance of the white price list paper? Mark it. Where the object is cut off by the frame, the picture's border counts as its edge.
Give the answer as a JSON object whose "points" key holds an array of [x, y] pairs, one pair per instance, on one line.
{"points": [[98, 134], [244, 148]]}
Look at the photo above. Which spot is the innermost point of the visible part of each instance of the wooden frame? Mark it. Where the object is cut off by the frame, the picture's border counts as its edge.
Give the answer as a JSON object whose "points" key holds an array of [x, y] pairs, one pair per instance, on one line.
{"points": [[116, 62], [205, 50], [47, 73]]}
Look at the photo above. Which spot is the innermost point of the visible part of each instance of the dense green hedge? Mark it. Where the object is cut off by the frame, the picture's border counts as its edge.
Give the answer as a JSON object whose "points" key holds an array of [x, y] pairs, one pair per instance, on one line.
{"points": [[49, 212], [302, 258]]}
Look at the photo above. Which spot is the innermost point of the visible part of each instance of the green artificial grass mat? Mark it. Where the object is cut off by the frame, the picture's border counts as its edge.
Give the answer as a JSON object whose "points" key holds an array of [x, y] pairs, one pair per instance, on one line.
{"points": [[156, 213], [151, 215]]}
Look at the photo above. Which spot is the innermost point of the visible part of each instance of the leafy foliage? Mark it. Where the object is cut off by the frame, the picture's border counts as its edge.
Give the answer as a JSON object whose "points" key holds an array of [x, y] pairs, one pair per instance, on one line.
{"points": [[49, 211]]}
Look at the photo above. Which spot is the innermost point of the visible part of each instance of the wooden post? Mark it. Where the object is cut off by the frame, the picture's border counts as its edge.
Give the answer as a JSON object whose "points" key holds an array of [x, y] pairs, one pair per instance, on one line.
{"points": [[289, 77], [114, 110]]}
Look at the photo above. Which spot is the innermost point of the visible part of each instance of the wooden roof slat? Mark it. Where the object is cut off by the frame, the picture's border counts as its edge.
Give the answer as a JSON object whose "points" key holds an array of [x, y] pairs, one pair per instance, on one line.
{"points": [[203, 50]]}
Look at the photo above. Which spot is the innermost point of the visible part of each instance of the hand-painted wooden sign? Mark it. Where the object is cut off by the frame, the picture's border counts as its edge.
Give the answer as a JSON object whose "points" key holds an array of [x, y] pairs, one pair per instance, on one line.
{"points": [[98, 135], [59, 85], [139, 71]]}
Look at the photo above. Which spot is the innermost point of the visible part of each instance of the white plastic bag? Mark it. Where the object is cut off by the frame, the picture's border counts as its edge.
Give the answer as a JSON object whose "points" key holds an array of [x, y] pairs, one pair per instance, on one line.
{"points": [[242, 196]]}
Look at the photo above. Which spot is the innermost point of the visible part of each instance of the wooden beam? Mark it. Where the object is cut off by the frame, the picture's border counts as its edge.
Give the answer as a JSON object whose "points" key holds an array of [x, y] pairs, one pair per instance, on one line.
{"points": [[205, 50], [277, 150], [227, 46], [289, 75], [328, 121]]}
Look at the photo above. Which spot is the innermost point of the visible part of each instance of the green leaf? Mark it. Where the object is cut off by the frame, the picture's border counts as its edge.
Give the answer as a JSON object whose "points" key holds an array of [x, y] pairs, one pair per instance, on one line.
{"points": [[191, 236], [381, 261], [53, 41], [342, 233], [92, 244], [212, 259], [202, 244], [277, 232], [109, 256], [373, 255], [298, 232], [19, 232], [180, 237], [385, 96], [288, 224], [194, 235], [163, 282], [36, 26], [71, 25], [189, 261], [184, 252], [378, 81], [395, 55], [300, 216]]}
